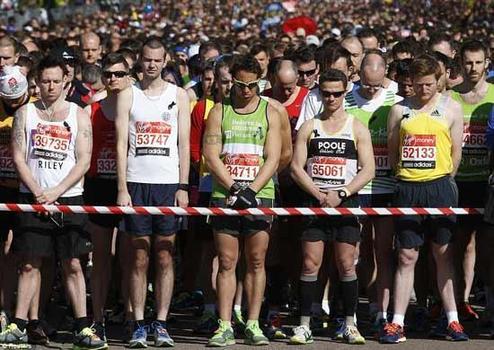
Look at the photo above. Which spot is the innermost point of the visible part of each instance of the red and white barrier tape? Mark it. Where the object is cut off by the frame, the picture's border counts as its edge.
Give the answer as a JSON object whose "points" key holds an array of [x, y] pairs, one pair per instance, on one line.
{"points": [[198, 211]]}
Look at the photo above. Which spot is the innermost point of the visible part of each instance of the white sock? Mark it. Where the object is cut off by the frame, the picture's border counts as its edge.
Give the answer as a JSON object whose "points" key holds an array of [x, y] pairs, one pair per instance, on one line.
{"points": [[452, 316], [210, 308], [399, 319], [381, 315], [325, 306], [237, 307], [305, 321]]}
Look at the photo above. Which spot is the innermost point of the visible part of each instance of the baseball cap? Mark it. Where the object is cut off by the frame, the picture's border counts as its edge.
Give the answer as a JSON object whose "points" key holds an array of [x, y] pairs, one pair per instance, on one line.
{"points": [[13, 84], [312, 40]]}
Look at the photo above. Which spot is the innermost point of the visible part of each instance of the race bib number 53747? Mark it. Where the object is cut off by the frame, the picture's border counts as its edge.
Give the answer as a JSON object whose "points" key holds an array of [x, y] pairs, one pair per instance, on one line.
{"points": [[151, 138]]}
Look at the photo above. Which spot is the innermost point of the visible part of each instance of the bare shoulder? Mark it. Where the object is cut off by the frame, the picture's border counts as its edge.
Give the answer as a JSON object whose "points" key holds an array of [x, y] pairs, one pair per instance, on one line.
{"points": [[83, 113], [21, 112], [359, 128], [453, 105], [181, 92]]}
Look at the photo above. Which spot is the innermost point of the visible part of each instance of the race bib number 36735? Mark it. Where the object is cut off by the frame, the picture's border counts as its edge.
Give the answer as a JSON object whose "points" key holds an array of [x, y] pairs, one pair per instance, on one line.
{"points": [[418, 152], [151, 138], [242, 167]]}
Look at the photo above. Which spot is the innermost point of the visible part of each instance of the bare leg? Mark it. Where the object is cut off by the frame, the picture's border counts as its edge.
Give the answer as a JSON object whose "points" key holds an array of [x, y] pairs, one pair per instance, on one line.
{"points": [[28, 288], [404, 277], [75, 286], [445, 274], [227, 248], [164, 248], [383, 245], [138, 275], [255, 249]]}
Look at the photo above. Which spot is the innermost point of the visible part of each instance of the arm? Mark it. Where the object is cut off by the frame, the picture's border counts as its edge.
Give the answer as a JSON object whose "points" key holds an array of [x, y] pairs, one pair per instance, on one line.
{"points": [[83, 150], [456, 130], [272, 150], [124, 102], [394, 118], [18, 145], [181, 197], [286, 134], [212, 145], [365, 155], [299, 160]]}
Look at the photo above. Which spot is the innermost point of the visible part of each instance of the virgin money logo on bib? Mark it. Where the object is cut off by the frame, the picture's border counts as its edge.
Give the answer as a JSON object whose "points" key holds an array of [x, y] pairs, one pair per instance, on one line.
{"points": [[151, 138], [418, 151]]}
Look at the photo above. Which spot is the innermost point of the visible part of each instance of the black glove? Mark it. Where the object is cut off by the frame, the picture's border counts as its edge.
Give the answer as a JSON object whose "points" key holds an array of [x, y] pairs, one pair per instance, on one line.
{"points": [[243, 199]]}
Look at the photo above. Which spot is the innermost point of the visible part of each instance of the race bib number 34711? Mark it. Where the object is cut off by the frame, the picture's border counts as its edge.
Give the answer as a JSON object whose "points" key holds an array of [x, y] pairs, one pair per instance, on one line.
{"points": [[418, 152], [151, 138], [242, 167]]}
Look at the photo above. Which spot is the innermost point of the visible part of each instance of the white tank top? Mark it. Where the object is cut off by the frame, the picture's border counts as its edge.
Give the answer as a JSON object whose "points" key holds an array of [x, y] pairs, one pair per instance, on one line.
{"points": [[50, 151], [153, 137], [332, 158]]}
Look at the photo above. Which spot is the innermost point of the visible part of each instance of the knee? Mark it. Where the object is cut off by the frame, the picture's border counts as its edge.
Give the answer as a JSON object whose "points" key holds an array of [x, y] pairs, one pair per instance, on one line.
{"points": [[165, 259], [310, 266], [73, 267], [29, 268], [346, 266], [227, 263], [141, 260], [255, 262], [408, 258]]}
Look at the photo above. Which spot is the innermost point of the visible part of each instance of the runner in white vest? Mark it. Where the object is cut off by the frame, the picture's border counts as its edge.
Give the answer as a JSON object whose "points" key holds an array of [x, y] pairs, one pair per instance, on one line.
{"points": [[51, 148], [152, 128]]}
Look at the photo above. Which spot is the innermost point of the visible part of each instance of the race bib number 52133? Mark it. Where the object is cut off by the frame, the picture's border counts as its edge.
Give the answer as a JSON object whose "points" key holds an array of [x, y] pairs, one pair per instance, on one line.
{"points": [[418, 152]]}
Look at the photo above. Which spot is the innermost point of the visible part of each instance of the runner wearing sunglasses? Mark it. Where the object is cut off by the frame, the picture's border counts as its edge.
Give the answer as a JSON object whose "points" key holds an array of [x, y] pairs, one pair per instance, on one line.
{"points": [[327, 151]]}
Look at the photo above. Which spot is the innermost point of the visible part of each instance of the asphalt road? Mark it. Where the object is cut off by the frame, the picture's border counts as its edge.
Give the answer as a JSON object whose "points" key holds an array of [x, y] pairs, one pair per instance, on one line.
{"points": [[181, 331]]}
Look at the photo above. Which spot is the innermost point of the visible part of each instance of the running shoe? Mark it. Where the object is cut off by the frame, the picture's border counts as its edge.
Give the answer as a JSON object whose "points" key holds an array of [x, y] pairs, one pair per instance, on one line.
{"points": [[161, 336], [35, 334], [340, 328], [139, 337], [4, 321], [223, 336], [208, 323], [466, 312], [254, 335], [13, 336], [87, 339], [455, 332], [393, 333], [100, 330], [353, 336], [301, 336], [274, 328]]}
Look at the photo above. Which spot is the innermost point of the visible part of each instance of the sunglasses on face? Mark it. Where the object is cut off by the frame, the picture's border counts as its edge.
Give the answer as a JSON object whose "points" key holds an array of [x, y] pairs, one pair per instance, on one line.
{"points": [[250, 85], [307, 72], [335, 94], [117, 74]]}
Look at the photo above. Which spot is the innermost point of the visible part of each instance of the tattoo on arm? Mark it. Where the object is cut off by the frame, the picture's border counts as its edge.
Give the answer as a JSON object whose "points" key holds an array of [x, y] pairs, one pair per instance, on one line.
{"points": [[18, 134], [212, 139]]}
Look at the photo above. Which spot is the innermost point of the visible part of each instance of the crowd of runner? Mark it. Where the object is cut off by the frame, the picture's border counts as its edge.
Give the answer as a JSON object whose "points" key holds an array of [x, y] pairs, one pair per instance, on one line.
{"points": [[174, 107]]}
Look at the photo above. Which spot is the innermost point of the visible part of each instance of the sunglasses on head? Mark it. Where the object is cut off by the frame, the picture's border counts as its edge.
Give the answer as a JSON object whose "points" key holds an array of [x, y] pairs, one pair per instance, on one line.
{"points": [[307, 72], [250, 85], [335, 94], [118, 74]]}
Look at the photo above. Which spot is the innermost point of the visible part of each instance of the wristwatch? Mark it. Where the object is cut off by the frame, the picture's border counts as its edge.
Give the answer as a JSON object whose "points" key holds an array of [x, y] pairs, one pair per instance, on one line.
{"points": [[343, 193]]}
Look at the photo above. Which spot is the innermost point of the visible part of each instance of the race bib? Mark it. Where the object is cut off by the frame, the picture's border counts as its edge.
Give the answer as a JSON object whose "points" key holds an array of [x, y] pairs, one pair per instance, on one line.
{"points": [[419, 151], [50, 142], [151, 138], [473, 137], [242, 167], [381, 160], [329, 170]]}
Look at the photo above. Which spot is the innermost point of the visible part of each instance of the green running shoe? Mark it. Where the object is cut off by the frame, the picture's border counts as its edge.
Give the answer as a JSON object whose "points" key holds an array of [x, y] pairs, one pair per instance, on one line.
{"points": [[223, 336], [254, 335]]}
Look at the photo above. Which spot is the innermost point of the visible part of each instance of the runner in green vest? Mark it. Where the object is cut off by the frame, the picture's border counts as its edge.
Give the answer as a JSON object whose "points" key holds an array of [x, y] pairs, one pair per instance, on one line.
{"points": [[476, 97], [242, 145], [370, 103]]}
